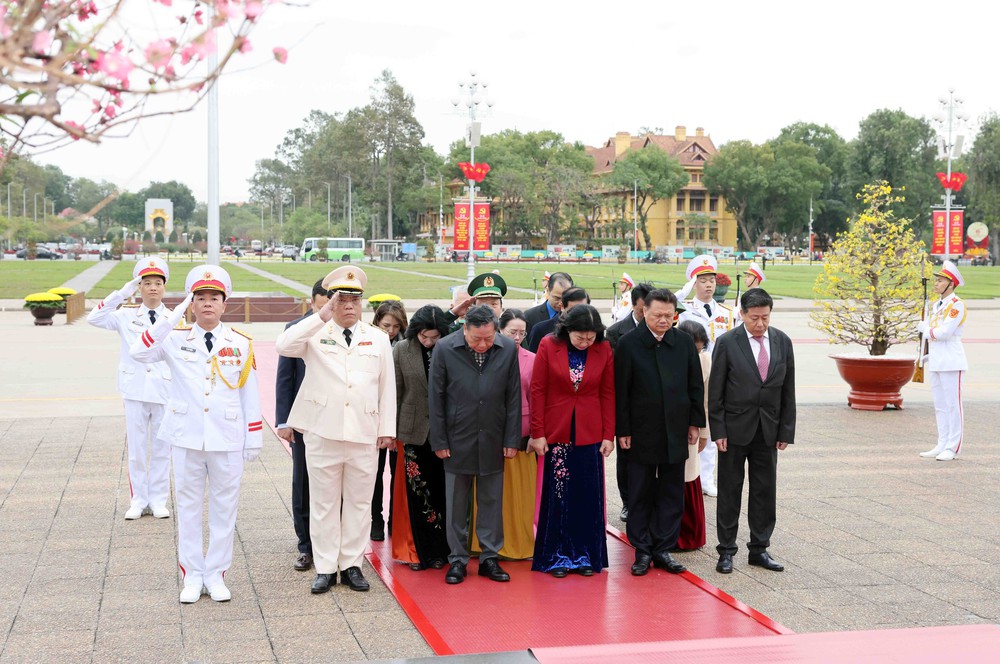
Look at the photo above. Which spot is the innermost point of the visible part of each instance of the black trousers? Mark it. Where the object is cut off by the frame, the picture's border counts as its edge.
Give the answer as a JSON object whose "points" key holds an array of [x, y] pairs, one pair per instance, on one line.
{"points": [[621, 473], [762, 460], [655, 506], [300, 494]]}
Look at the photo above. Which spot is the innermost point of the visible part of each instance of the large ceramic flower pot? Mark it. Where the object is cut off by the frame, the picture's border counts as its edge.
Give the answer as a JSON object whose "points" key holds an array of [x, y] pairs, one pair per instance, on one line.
{"points": [[875, 380], [43, 315], [720, 293]]}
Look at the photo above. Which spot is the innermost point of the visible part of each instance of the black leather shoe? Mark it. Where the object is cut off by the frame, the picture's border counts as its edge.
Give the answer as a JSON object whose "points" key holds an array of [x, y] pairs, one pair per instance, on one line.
{"points": [[584, 571], [322, 583], [437, 563], [416, 567], [304, 562], [624, 515], [354, 579], [378, 532], [641, 564], [664, 560], [763, 559], [455, 574], [725, 564], [559, 572], [491, 569]]}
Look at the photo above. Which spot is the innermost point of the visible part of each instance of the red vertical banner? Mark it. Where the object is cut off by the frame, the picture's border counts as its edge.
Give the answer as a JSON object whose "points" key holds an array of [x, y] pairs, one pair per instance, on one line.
{"points": [[481, 228], [938, 234], [956, 231], [461, 226]]}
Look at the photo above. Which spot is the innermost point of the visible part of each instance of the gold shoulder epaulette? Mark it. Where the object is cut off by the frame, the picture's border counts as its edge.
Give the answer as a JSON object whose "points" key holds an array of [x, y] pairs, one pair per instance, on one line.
{"points": [[724, 306], [242, 334], [181, 327], [130, 306]]}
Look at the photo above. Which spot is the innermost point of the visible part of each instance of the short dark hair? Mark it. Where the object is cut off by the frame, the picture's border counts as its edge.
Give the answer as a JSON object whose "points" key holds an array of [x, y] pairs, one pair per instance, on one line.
{"points": [[319, 290], [510, 315], [756, 297], [664, 295], [392, 308], [695, 330], [581, 318], [574, 294], [560, 277], [640, 291], [480, 315], [427, 317]]}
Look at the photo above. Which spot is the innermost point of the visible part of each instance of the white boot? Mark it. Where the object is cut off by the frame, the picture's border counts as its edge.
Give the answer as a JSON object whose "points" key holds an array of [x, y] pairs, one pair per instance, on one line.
{"points": [[947, 455], [930, 454], [192, 593]]}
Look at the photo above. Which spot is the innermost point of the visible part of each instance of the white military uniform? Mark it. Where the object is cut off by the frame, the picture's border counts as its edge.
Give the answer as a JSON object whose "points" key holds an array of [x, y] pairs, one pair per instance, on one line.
{"points": [[144, 390], [946, 366], [717, 319], [346, 403], [212, 418], [622, 307]]}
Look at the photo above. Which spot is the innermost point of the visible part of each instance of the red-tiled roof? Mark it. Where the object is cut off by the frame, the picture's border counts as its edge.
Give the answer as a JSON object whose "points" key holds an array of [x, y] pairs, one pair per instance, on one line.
{"points": [[693, 151]]}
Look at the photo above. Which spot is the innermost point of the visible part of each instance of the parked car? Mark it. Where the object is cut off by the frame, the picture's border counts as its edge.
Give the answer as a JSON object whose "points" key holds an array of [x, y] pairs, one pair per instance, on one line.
{"points": [[41, 254], [290, 251]]}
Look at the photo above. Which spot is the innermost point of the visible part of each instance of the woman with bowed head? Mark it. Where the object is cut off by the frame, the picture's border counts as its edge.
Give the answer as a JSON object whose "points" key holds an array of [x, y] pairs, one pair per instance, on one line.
{"points": [[520, 473], [390, 317], [692, 534], [419, 497], [573, 425]]}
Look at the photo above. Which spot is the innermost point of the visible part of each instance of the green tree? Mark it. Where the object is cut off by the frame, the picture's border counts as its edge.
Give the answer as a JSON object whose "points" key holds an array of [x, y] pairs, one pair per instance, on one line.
{"points": [[833, 205], [984, 177]]}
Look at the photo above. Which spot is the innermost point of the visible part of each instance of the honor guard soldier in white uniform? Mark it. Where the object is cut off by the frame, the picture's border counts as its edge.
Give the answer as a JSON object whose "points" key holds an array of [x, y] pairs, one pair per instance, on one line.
{"points": [[754, 278], [346, 411], [143, 386], [622, 307], [945, 362], [212, 421], [717, 319]]}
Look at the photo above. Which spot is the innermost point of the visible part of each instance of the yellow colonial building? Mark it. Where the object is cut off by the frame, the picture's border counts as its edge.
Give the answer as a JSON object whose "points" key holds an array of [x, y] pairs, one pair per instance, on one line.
{"points": [[691, 218]]}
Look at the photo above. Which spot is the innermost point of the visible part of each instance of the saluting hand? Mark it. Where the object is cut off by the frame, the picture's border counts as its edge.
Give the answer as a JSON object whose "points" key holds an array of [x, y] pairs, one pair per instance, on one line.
{"points": [[326, 313], [463, 306]]}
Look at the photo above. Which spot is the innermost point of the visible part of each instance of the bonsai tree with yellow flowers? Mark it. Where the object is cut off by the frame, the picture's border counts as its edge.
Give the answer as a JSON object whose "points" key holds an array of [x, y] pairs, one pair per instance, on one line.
{"points": [[870, 290]]}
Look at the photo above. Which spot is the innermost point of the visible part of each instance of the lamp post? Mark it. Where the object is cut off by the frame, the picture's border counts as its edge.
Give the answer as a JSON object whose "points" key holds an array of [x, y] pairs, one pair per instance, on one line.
{"points": [[36, 207], [952, 149], [309, 198], [472, 101], [8, 199], [327, 207], [635, 218], [24, 202], [350, 207], [292, 194]]}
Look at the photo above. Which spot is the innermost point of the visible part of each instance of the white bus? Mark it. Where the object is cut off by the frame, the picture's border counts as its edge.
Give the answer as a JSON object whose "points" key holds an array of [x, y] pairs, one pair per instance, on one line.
{"points": [[345, 249]]}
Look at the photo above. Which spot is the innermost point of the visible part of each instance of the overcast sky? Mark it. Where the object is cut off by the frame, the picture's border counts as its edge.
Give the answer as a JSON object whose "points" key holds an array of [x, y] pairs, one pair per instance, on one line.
{"points": [[741, 70]]}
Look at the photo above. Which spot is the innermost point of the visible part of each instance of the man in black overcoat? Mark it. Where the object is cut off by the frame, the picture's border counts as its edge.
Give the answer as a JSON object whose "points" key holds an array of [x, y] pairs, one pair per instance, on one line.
{"points": [[751, 405], [660, 406], [474, 398]]}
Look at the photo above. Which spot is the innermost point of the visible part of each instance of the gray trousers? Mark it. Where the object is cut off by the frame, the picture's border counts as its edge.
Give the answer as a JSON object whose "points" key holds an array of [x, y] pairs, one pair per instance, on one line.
{"points": [[489, 517]]}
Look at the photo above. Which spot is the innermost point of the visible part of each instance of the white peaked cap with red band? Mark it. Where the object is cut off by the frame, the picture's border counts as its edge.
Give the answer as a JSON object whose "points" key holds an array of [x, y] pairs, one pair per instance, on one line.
{"points": [[703, 264], [151, 266], [627, 280], [209, 277], [755, 271], [950, 270], [546, 276]]}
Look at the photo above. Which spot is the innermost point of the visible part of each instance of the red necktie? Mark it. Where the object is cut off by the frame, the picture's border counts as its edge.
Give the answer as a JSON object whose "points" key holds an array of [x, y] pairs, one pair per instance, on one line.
{"points": [[762, 359]]}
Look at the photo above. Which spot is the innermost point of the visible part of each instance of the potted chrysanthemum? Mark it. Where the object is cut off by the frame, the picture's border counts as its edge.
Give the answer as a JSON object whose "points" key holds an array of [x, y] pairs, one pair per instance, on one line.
{"points": [[43, 306], [64, 293], [870, 291], [375, 300]]}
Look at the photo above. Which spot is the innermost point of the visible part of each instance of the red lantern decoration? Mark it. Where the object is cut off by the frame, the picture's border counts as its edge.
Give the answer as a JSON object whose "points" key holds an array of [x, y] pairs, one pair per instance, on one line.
{"points": [[475, 172]]}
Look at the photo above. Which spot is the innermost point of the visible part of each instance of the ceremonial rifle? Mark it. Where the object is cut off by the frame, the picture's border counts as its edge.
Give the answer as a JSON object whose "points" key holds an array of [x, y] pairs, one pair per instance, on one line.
{"points": [[918, 371]]}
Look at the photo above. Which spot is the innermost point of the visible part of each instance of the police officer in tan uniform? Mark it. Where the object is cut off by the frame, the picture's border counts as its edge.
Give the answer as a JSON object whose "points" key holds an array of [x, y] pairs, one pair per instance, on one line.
{"points": [[346, 411]]}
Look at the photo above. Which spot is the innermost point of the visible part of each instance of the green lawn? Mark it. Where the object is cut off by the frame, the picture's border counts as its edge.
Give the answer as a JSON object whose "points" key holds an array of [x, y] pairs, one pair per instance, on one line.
{"points": [[242, 280], [19, 277]]}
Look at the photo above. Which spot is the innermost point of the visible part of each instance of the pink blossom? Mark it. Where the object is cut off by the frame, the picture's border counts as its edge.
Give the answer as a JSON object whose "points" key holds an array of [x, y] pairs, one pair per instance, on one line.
{"points": [[41, 42], [115, 65], [110, 111], [158, 53], [227, 9], [75, 126], [245, 46], [86, 10], [253, 9], [199, 47], [198, 17], [165, 3], [281, 54]]}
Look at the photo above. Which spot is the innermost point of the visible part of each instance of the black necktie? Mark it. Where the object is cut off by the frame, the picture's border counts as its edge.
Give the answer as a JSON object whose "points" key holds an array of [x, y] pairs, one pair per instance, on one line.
{"points": [[708, 309], [208, 341], [152, 317], [347, 337]]}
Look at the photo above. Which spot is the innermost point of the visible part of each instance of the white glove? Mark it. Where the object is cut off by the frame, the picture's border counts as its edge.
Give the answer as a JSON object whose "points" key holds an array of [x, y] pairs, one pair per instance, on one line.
{"points": [[177, 315], [685, 290], [922, 327], [251, 454], [130, 288]]}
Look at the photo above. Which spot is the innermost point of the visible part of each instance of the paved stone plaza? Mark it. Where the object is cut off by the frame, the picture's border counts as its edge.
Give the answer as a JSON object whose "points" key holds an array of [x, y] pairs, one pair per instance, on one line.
{"points": [[872, 535]]}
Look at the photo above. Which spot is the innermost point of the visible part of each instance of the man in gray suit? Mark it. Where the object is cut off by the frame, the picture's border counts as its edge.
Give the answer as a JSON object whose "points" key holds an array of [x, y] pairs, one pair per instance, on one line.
{"points": [[475, 411], [751, 410]]}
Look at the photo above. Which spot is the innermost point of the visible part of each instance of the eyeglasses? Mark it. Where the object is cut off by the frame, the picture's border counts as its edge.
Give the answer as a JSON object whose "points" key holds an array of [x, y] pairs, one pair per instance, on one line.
{"points": [[515, 334]]}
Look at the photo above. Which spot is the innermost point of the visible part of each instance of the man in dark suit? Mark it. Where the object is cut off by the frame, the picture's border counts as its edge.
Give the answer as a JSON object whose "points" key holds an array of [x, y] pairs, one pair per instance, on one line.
{"points": [[660, 406], [550, 308], [751, 405], [571, 297], [615, 332], [474, 398], [290, 374]]}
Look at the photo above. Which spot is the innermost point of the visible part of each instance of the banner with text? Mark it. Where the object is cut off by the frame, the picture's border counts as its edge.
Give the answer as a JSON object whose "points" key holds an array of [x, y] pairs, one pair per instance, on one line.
{"points": [[481, 228], [944, 227], [461, 227]]}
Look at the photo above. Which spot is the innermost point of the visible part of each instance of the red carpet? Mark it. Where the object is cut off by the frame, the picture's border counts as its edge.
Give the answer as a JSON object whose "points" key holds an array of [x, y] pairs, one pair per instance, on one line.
{"points": [[536, 610]]}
